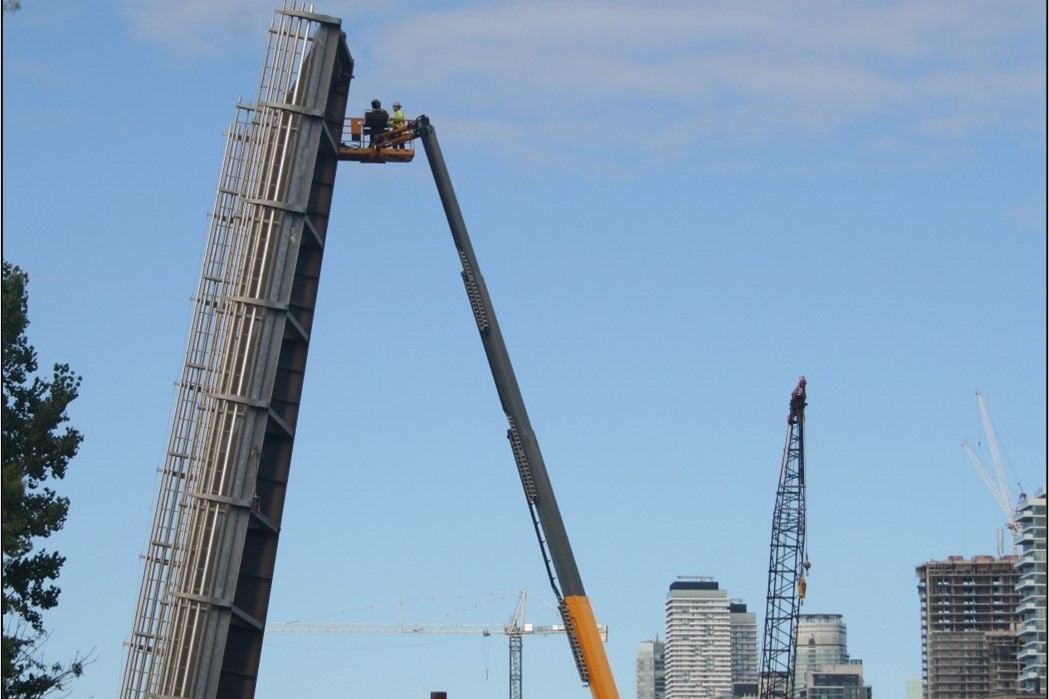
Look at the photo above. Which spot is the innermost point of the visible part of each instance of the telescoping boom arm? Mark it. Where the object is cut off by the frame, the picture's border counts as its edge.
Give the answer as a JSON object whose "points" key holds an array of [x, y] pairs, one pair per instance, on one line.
{"points": [[550, 529], [580, 625]]}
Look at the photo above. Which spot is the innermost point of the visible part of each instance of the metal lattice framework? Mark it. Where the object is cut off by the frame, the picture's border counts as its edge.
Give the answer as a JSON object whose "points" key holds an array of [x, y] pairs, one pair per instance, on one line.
{"points": [[209, 562], [787, 560]]}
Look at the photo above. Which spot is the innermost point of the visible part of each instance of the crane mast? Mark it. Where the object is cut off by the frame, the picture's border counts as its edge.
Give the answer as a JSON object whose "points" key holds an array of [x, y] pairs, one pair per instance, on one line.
{"points": [[788, 562]]}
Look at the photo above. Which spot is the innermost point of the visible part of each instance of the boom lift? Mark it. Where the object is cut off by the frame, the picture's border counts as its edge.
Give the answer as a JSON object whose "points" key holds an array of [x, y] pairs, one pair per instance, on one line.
{"points": [[788, 561], [573, 604]]}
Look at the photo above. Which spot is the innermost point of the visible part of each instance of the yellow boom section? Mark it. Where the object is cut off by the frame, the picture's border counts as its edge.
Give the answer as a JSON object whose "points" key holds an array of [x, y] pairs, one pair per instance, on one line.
{"points": [[602, 684]]}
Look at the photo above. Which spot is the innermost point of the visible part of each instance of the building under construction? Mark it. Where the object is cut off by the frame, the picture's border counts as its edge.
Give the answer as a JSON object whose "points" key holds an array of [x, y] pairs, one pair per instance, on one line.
{"points": [[968, 617]]}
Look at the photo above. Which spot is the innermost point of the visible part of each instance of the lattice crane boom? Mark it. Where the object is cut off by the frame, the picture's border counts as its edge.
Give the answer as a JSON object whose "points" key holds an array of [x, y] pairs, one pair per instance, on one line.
{"points": [[788, 561]]}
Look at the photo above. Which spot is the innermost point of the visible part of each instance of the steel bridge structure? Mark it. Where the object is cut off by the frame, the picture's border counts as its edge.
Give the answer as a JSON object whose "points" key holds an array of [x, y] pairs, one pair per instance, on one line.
{"points": [[210, 557]]}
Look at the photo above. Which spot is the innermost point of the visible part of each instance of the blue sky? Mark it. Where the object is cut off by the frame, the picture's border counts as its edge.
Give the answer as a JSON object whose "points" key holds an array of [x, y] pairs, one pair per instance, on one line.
{"points": [[679, 208]]}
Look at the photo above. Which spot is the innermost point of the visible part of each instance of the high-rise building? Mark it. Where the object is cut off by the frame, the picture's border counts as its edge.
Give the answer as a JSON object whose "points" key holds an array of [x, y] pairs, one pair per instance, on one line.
{"points": [[1031, 586], [963, 603], [699, 640], [743, 627], [821, 641], [651, 678]]}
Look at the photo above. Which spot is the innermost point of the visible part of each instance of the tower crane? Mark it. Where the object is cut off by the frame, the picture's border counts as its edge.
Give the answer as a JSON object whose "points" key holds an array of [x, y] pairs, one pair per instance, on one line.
{"points": [[515, 630], [995, 481], [395, 145], [788, 560]]}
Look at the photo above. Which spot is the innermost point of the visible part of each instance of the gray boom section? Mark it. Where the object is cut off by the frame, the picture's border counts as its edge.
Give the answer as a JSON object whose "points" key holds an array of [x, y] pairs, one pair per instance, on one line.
{"points": [[209, 564], [532, 468]]}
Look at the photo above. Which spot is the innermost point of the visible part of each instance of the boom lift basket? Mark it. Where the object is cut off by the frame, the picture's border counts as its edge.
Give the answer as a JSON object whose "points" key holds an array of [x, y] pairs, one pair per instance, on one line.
{"points": [[391, 145]]}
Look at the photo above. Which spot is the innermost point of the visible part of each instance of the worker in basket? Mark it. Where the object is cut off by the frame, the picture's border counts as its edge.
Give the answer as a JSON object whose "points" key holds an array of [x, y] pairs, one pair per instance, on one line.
{"points": [[376, 121], [397, 121]]}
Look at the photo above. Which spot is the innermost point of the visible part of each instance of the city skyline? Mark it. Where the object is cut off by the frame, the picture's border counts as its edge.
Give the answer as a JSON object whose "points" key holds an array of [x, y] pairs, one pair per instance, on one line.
{"points": [[851, 193]]}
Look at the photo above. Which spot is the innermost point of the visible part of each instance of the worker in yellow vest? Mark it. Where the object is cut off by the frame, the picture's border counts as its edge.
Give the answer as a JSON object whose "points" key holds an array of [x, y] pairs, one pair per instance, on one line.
{"points": [[397, 121]]}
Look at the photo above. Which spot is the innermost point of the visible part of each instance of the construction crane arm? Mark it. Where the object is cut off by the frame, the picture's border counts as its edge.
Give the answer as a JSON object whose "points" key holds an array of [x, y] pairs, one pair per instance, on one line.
{"points": [[408, 629], [1000, 497], [515, 630], [995, 481], [992, 444]]}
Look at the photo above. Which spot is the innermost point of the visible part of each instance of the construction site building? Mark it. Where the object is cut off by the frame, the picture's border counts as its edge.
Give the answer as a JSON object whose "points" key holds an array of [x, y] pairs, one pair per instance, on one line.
{"points": [[968, 614]]}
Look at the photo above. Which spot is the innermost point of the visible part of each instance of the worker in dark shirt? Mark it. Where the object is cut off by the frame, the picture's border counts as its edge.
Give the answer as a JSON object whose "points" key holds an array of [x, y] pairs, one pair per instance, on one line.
{"points": [[376, 120]]}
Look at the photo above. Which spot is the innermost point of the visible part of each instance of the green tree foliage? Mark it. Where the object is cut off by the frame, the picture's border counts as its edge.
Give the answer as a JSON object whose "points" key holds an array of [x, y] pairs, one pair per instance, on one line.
{"points": [[12, 5], [37, 447]]}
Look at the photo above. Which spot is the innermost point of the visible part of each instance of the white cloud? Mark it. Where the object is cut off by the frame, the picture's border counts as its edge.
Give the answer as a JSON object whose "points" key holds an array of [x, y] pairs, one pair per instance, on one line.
{"points": [[759, 67], [196, 26], [816, 64]]}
